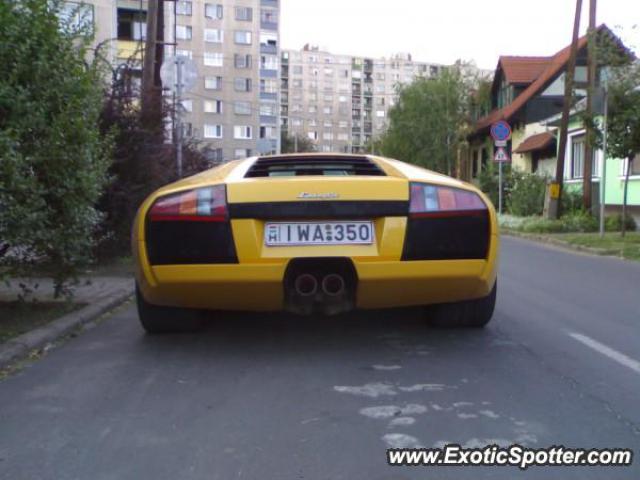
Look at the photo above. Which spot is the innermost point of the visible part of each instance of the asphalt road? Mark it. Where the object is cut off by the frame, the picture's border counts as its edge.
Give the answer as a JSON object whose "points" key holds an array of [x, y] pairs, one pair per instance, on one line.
{"points": [[282, 397]]}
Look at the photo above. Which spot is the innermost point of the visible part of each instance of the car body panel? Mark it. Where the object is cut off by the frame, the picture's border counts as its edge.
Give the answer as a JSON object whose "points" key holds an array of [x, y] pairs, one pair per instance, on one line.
{"points": [[256, 281]]}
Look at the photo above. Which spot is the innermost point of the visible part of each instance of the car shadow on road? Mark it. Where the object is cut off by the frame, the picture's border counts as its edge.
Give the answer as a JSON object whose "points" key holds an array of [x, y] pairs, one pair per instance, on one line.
{"points": [[403, 330]]}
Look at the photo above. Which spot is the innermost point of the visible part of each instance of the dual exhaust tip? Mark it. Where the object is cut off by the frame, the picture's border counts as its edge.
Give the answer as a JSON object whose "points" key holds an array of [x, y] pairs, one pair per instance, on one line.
{"points": [[332, 285]]}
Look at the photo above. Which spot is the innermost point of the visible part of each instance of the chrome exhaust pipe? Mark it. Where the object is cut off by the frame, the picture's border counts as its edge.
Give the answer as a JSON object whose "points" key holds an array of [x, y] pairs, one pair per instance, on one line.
{"points": [[306, 285], [333, 285]]}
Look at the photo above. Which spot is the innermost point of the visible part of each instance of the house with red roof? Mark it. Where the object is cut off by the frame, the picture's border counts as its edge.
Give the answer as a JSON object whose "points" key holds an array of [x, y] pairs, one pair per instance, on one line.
{"points": [[527, 92]]}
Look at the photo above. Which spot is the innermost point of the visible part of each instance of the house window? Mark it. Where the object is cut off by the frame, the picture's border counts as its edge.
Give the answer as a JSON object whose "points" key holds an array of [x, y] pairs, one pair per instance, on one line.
{"points": [[213, 59], [635, 166], [213, 10], [327, 136], [244, 14], [242, 108], [212, 131], [242, 153], [577, 156], [213, 83], [242, 132], [213, 106], [184, 8], [184, 32], [268, 109], [242, 61], [242, 37], [242, 84], [213, 35], [343, 137], [269, 16], [380, 113], [214, 155]]}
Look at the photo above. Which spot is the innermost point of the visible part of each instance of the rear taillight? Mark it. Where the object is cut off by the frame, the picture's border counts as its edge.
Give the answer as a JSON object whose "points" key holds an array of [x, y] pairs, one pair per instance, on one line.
{"points": [[207, 204], [436, 201]]}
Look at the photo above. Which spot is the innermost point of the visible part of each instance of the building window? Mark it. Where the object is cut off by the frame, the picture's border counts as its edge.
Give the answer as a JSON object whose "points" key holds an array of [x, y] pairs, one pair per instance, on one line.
{"points": [[244, 14], [635, 166], [269, 62], [380, 113], [213, 35], [212, 131], [268, 132], [132, 25], [213, 83], [269, 16], [242, 37], [184, 53], [184, 32], [242, 153], [328, 124], [242, 132], [327, 110], [343, 137], [187, 105], [213, 10], [268, 39], [268, 85], [242, 61], [184, 8], [214, 155], [297, 69], [242, 84], [268, 109], [327, 136], [577, 156], [213, 59], [213, 106], [242, 108], [312, 135]]}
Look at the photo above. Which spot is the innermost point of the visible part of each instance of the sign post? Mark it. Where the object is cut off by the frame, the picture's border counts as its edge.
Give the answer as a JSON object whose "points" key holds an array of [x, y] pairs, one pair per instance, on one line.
{"points": [[501, 133]]}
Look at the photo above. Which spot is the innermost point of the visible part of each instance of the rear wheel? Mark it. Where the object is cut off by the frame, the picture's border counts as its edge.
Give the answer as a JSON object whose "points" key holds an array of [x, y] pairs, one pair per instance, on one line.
{"points": [[156, 319], [468, 314]]}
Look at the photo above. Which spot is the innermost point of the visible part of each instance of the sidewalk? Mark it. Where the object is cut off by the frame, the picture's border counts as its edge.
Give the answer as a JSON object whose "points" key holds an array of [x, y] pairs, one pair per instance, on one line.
{"points": [[42, 319]]}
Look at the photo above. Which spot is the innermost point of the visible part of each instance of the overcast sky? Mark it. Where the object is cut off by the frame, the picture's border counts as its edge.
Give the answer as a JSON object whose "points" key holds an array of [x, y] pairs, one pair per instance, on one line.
{"points": [[446, 30]]}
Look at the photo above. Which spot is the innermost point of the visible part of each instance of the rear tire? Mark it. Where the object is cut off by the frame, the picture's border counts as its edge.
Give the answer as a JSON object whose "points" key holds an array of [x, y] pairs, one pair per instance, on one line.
{"points": [[156, 319], [468, 314]]}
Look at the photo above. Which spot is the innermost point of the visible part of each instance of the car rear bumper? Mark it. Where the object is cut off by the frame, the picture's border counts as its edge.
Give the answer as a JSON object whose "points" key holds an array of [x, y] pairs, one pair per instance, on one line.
{"points": [[259, 286]]}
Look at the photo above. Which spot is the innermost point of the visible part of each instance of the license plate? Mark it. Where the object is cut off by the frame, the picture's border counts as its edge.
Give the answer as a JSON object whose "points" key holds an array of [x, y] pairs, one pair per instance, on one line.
{"points": [[318, 233]]}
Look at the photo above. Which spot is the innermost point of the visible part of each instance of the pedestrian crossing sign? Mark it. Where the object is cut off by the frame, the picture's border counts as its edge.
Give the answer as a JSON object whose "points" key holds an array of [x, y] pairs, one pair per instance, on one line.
{"points": [[501, 156]]}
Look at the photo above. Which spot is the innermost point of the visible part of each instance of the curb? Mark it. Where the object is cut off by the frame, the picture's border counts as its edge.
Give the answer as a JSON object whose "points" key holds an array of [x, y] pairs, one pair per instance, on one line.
{"points": [[19, 347], [559, 243]]}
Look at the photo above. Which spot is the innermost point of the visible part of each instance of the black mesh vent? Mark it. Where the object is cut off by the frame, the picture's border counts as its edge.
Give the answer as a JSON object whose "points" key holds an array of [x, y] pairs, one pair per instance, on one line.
{"points": [[328, 165]]}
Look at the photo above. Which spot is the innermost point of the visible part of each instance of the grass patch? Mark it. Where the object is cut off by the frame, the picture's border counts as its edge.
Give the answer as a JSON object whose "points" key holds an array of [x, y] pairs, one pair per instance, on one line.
{"points": [[611, 244], [17, 318]]}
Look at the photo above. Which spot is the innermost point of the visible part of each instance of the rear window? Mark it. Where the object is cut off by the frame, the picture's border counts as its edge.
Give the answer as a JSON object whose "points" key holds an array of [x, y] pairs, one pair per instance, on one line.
{"points": [[329, 166]]}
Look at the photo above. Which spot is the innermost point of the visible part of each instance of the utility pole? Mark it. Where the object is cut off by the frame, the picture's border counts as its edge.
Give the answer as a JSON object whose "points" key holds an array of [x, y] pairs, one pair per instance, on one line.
{"points": [[148, 67], [592, 68], [179, 127], [556, 187]]}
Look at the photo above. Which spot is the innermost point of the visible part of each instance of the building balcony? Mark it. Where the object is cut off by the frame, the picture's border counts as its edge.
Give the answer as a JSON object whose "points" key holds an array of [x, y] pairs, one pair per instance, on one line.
{"points": [[268, 48], [264, 73], [268, 25], [269, 3]]}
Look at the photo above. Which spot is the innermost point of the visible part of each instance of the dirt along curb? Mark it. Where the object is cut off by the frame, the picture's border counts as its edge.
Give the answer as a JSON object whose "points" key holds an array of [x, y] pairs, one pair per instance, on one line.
{"points": [[20, 346]]}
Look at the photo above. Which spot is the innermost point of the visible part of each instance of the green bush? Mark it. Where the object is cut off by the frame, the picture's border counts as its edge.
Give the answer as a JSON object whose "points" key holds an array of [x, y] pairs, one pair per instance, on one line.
{"points": [[53, 157], [571, 223], [526, 195], [489, 183], [613, 223], [571, 201]]}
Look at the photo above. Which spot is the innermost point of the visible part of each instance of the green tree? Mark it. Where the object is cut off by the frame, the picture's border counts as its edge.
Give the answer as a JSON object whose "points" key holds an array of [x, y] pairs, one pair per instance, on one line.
{"points": [[623, 123], [288, 144], [430, 121], [53, 157]]}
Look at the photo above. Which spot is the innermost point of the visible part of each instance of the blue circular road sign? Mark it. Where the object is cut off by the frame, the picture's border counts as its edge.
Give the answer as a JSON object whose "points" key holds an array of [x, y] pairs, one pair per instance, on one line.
{"points": [[501, 131]]}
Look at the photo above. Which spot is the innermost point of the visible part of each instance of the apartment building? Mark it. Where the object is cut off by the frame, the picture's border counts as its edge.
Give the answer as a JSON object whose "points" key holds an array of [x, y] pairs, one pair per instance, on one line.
{"points": [[341, 102], [233, 110]]}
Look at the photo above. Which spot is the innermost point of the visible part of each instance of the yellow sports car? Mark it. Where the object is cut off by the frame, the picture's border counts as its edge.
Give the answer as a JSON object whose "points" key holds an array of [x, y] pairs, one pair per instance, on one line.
{"points": [[320, 233]]}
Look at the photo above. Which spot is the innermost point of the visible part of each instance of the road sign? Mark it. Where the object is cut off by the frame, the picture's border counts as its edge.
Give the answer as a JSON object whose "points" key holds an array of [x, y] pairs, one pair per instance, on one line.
{"points": [[501, 131], [500, 143], [169, 73], [501, 156]]}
